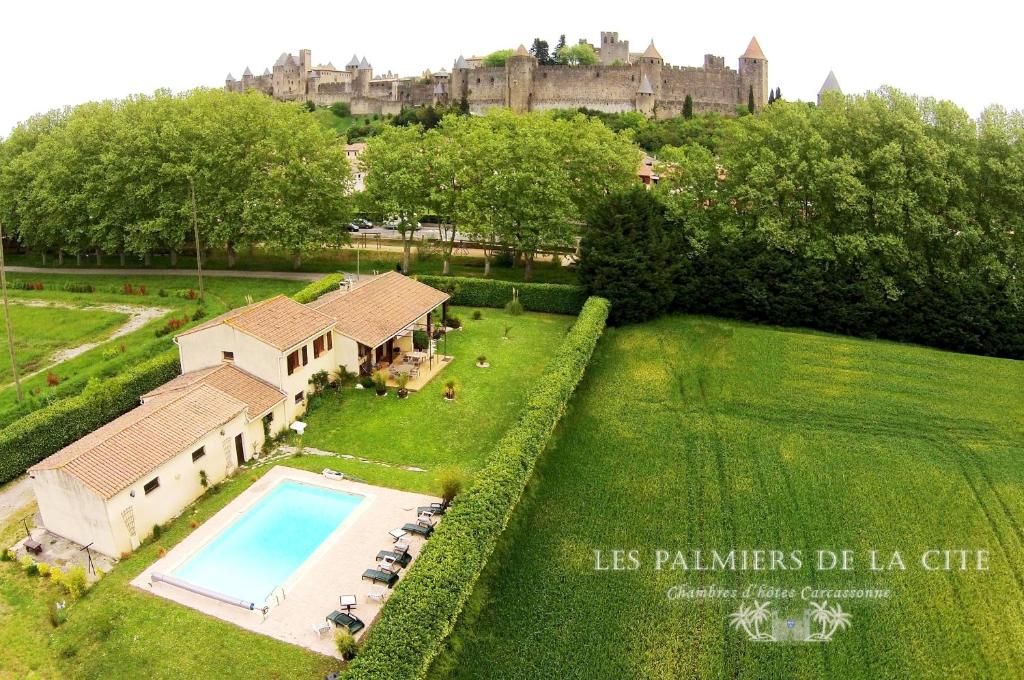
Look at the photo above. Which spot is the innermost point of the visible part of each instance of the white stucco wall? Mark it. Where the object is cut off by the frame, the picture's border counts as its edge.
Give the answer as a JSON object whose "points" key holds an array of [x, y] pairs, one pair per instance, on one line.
{"points": [[204, 349], [73, 510]]}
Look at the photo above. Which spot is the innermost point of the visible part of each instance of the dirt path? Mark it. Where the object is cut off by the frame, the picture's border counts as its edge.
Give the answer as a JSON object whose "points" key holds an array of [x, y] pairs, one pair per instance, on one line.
{"points": [[137, 318]]}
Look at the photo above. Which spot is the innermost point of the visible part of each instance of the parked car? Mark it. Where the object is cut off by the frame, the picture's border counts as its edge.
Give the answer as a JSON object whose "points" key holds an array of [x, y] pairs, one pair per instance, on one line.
{"points": [[352, 227], [363, 224]]}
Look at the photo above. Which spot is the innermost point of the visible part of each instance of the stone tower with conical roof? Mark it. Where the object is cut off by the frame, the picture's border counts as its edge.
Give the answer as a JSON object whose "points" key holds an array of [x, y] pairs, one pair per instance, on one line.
{"points": [[651, 65], [831, 84], [519, 71], [753, 76]]}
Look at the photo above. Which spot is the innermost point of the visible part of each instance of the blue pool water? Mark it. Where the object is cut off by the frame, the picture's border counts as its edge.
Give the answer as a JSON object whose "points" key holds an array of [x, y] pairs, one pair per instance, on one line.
{"points": [[261, 549]]}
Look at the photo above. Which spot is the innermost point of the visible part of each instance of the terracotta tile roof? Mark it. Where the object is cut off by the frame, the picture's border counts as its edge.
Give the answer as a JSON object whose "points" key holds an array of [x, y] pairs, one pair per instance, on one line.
{"points": [[380, 308], [280, 322], [128, 448], [753, 51], [257, 395]]}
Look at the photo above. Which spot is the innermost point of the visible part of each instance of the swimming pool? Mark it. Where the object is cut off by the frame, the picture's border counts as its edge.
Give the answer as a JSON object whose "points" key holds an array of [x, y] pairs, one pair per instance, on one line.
{"points": [[259, 551]]}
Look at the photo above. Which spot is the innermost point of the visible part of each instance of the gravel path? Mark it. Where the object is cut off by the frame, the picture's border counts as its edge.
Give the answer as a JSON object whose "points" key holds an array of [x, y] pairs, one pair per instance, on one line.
{"points": [[138, 317]]}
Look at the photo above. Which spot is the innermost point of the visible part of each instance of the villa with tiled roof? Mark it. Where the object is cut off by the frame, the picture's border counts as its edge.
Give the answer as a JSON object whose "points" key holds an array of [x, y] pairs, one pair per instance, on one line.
{"points": [[245, 375]]}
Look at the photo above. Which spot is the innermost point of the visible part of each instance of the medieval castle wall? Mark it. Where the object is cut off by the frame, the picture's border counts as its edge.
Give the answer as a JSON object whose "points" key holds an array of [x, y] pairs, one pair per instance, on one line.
{"points": [[622, 81]]}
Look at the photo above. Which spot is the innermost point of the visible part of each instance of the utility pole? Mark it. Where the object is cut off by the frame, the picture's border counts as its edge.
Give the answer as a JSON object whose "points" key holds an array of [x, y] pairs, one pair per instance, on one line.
{"points": [[195, 230], [7, 315]]}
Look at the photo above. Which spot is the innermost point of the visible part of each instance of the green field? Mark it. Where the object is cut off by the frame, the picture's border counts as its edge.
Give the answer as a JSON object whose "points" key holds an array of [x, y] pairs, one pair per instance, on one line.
{"points": [[427, 432], [694, 433], [42, 331], [112, 357]]}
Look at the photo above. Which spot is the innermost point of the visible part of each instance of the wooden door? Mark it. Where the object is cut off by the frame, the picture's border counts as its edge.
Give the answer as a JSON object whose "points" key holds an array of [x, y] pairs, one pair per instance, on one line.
{"points": [[239, 449]]}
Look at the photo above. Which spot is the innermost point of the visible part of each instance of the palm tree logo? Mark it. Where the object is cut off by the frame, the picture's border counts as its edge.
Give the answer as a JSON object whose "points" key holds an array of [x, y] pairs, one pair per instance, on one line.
{"points": [[749, 619], [831, 619]]}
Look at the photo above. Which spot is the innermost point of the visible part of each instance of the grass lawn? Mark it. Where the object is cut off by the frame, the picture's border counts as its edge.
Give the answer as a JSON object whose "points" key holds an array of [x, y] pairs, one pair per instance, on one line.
{"points": [[329, 260], [108, 359], [117, 631], [42, 331], [695, 433], [427, 432], [339, 124]]}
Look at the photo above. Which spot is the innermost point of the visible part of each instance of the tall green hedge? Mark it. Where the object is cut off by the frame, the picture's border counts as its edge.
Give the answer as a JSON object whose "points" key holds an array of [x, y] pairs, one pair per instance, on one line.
{"points": [[319, 287], [426, 603], [554, 298], [32, 438]]}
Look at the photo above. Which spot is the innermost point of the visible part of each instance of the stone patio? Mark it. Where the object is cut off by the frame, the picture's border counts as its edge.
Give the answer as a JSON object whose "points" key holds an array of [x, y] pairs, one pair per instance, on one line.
{"points": [[61, 553], [312, 592]]}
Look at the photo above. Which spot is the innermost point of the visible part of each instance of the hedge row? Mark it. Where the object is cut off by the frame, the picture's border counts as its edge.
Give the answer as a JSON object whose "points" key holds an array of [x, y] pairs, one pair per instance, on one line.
{"points": [[554, 298], [32, 438], [319, 287], [426, 604]]}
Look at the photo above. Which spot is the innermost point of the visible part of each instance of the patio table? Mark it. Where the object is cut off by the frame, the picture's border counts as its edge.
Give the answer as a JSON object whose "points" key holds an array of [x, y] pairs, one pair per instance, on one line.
{"points": [[418, 357], [401, 368], [347, 602]]}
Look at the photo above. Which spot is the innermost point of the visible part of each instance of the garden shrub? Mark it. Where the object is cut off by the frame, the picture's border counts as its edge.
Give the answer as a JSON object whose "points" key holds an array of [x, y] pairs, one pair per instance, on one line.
{"points": [[420, 340], [29, 565], [454, 322], [319, 287], [425, 605], [346, 644], [554, 298], [28, 440], [74, 582]]}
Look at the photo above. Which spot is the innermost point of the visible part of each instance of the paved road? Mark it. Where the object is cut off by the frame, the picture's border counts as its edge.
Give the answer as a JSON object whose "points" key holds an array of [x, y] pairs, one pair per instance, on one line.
{"points": [[215, 273], [14, 497]]}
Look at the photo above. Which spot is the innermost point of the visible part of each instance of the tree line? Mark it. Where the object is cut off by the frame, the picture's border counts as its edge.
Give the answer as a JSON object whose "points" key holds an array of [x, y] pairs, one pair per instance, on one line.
{"points": [[508, 181], [138, 176], [879, 215]]}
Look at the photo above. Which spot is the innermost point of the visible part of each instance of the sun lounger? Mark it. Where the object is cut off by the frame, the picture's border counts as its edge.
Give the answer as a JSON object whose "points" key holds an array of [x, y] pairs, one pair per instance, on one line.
{"points": [[401, 559], [388, 578], [343, 620], [377, 593], [419, 529], [400, 547], [398, 534], [433, 508], [333, 474]]}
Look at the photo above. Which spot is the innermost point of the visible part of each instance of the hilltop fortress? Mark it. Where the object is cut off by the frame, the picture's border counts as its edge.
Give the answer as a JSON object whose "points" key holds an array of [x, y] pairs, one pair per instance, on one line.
{"points": [[621, 81]]}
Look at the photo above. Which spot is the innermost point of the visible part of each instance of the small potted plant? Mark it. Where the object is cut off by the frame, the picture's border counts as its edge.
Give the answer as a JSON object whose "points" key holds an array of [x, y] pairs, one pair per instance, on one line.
{"points": [[403, 381], [449, 391], [481, 362], [380, 382]]}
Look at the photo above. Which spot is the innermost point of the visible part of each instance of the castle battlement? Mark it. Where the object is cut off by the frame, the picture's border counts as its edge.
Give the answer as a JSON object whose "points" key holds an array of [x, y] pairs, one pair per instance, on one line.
{"points": [[620, 81]]}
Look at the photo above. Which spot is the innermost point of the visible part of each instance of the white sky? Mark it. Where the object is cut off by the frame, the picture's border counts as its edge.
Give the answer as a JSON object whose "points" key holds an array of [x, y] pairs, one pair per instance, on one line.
{"points": [[66, 52]]}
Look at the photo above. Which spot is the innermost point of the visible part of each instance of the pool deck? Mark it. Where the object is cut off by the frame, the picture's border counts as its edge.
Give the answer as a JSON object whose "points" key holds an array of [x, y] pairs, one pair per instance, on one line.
{"points": [[334, 569]]}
